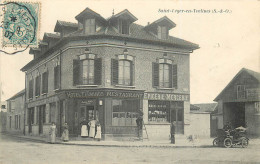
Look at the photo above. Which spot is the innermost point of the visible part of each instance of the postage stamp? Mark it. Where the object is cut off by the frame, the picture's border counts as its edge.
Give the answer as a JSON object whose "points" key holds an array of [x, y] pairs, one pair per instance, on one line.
{"points": [[20, 24]]}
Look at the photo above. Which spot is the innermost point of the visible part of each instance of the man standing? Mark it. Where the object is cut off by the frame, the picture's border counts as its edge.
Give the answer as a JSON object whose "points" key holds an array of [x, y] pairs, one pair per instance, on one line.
{"points": [[139, 122], [173, 132]]}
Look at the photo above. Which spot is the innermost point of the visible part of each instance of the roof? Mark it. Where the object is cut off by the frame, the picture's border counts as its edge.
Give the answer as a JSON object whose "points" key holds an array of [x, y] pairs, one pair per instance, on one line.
{"points": [[51, 35], [89, 12], [205, 107], [124, 14], [22, 92], [256, 75], [60, 24], [165, 20]]}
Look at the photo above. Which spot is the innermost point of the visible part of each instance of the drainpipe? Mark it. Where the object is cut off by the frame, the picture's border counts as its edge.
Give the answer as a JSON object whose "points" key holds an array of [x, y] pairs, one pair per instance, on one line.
{"points": [[25, 105]]}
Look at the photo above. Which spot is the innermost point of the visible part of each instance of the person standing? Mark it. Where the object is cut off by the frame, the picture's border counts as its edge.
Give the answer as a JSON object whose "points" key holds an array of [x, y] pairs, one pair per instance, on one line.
{"points": [[52, 133], [139, 123], [65, 133], [173, 132], [98, 131], [84, 129], [92, 125]]}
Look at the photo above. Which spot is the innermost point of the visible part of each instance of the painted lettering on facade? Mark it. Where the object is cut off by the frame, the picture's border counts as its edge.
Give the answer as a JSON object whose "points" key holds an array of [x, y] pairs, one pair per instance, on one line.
{"points": [[85, 94], [124, 94], [166, 96]]}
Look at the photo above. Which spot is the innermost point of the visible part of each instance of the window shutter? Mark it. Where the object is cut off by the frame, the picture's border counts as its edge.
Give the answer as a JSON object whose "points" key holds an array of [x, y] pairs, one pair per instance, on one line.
{"points": [[76, 72], [98, 71], [170, 76], [174, 76], [155, 74], [45, 82], [114, 71], [31, 88]]}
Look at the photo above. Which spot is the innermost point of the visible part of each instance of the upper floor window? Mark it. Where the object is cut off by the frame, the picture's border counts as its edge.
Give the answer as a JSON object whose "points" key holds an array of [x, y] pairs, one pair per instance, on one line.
{"points": [[122, 70], [241, 92], [45, 82], [37, 84], [123, 26], [87, 70], [90, 26], [30, 87], [164, 74], [57, 76], [163, 32]]}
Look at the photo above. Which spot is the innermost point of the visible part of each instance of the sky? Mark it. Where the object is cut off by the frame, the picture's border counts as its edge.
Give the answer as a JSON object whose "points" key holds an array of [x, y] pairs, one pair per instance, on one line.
{"points": [[228, 41]]}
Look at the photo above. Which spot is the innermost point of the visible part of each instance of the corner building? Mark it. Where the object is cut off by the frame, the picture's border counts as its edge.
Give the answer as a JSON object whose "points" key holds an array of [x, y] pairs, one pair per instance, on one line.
{"points": [[110, 70]]}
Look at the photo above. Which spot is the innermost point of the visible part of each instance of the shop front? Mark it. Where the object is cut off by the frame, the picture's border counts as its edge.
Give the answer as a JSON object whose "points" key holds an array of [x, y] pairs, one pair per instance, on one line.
{"points": [[116, 110]]}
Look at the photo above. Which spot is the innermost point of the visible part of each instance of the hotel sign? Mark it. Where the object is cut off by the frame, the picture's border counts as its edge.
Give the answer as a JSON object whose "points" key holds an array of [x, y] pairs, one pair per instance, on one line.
{"points": [[96, 94], [166, 96]]}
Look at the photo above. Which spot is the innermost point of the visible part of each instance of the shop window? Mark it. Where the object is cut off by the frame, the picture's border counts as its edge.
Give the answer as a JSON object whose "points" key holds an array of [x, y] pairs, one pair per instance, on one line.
{"points": [[159, 112], [163, 32], [164, 74], [45, 82], [125, 112], [122, 70], [37, 85], [241, 92], [57, 76], [87, 70]]}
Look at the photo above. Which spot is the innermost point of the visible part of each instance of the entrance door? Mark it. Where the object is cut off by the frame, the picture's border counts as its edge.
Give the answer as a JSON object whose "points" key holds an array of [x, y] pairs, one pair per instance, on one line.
{"points": [[40, 120], [177, 116], [88, 112], [30, 119]]}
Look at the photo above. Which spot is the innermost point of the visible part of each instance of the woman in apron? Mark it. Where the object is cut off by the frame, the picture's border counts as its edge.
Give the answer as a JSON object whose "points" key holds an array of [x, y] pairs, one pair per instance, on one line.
{"points": [[84, 128], [98, 131], [92, 125], [52, 133], [65, 133]]}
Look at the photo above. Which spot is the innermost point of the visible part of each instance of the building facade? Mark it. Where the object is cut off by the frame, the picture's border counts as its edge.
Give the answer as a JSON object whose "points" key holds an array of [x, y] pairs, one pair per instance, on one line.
{"points": [[111, 70], [15, 113], [239, 101]]}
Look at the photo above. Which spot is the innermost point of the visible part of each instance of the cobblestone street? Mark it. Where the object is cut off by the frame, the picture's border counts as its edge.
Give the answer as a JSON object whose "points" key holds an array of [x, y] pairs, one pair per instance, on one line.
{"points": [[15, 150]]}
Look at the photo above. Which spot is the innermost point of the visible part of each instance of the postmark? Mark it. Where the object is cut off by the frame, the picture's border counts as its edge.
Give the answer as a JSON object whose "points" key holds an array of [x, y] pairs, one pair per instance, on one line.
{"points": [[20, 26]]}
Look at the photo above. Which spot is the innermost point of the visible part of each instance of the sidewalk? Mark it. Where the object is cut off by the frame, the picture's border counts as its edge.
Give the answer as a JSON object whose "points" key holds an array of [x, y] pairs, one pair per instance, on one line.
{"points": [[180, 142]]}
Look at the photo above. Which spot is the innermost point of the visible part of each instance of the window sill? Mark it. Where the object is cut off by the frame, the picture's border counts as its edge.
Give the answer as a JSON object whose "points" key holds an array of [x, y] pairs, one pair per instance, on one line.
{"points": [[81, 86], [124, 86]]}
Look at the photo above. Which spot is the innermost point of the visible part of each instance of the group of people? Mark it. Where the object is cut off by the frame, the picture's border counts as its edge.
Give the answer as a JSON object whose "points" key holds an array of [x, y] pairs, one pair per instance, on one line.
{"points": [[91, 129], [53, 133]]}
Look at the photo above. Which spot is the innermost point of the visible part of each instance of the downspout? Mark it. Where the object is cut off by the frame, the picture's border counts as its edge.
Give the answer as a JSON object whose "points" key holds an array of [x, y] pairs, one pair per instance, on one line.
{"points": [[25, 105]]}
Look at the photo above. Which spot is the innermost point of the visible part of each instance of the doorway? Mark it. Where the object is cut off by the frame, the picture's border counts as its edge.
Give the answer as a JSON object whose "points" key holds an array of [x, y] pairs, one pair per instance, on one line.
{"points": [[88, 112], [177, 115], [235, 114]]}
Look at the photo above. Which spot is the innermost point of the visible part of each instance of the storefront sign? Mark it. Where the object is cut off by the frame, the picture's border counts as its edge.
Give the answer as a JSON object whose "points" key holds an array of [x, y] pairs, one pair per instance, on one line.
{"points": [[166, 96], [42, 102], [93, 94]]}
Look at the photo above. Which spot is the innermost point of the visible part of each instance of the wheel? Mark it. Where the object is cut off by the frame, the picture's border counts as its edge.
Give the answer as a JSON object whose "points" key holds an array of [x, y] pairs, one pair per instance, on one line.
{"points": [[216, 142], [227, 142], [244, 142]]}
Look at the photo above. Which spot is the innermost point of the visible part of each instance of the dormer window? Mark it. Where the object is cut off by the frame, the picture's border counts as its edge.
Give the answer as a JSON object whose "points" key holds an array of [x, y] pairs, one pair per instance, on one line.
{"points": [[163, 32], [90, 26], [123, 26]]}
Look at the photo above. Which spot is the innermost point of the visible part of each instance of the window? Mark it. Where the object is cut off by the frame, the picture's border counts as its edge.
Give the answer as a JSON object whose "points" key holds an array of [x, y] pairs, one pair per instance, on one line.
{"points": [[163, 32], [45, 82], [90, 26], [122, 70], [37, 85], [125, 112], [10, 122], [19, 121], [16, 121], [31, 89], [164, 74], [241, 92], [57, 76], [87, 70], [12, 105], [123, 26], [159, 111], [52, 112]]}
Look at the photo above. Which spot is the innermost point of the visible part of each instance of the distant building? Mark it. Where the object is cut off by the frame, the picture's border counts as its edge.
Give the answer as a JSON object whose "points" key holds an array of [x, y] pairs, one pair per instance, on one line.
{"points": [[3, 116], [15, 113], [201, 121], [111, 70], [239, 102]]}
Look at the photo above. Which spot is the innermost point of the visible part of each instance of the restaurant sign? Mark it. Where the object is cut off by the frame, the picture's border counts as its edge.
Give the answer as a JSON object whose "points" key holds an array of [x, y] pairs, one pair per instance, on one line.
{"points": [[96, 94], [166, 96]]}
